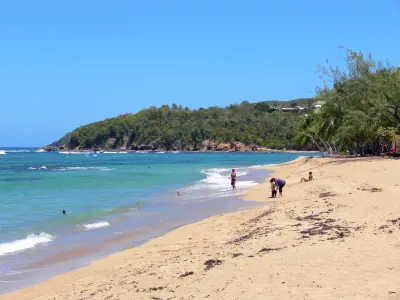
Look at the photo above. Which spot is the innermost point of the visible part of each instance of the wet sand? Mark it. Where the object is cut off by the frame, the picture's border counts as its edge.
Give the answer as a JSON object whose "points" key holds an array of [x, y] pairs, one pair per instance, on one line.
{"points": [[337, 237]]}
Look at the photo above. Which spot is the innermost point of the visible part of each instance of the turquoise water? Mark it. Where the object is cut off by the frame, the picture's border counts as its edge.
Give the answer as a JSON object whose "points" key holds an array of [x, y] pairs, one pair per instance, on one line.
{"points": [[104, 194]]}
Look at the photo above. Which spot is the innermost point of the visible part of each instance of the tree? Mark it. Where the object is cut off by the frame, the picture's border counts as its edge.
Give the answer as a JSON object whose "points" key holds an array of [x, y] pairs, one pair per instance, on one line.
{"points": [[175, 128], [362, 104]]}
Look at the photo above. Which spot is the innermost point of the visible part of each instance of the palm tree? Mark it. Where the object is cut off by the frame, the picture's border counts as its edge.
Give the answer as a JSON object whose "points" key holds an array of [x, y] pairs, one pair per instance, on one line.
{"points": [[307, 133]]}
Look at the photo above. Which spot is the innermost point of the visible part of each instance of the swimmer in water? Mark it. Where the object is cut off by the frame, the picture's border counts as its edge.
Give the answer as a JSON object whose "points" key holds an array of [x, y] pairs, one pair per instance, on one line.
{"points": [[64, 212]]}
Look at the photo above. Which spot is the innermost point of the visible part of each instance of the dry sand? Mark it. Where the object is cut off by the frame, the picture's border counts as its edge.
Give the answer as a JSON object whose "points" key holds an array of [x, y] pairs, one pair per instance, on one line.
{"points": [[335, 237]]}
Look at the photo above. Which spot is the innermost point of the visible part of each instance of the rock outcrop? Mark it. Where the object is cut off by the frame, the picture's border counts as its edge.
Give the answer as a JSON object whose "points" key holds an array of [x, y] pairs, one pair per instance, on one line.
{"points": [[212, 145]]}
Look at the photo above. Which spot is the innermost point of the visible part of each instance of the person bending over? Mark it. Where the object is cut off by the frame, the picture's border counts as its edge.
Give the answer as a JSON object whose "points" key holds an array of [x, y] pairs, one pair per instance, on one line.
{"points": [[280, 182]]}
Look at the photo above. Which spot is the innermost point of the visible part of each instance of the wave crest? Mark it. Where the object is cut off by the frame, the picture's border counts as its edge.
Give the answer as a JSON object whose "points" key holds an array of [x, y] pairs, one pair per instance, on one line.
{"points": [[31, 241], [217, 183], [97, 225], [70, 168]]}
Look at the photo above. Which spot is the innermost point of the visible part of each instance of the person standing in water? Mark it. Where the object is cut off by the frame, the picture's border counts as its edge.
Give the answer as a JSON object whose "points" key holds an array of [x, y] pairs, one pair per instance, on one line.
{"points": [[233, 179], [280, 182]]}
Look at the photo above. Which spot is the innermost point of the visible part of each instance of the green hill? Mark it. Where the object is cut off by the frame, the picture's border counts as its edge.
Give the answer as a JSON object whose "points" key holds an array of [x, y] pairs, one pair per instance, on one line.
{"points": [[178, 128]]}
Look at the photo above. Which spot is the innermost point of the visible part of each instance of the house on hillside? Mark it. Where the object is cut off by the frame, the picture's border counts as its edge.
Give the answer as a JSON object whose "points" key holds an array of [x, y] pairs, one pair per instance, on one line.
{"points": [[318, 104], [293, 109]]}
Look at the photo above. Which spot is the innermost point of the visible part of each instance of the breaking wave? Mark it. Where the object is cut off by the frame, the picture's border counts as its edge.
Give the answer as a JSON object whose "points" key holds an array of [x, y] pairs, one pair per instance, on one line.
{"points": [[216, 184], [70, 168], [31, 241], [96, 225], [261, 166]]}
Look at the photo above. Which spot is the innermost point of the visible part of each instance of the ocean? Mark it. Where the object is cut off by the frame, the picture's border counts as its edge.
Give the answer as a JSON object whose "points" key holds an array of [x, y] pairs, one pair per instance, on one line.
{"points": [[113, 201]]}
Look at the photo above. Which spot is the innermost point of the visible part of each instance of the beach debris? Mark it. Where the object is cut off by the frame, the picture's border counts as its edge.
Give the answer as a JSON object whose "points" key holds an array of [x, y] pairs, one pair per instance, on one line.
{"points": [[383, 227], [211, 263], [321, 228], [244, 237], [159, 288], [259, 231], [296, 225], [247, 232], [312, 217], [236, 255], [186, 274], [259, 217], [315, 217], [330, 220], [359, 228], [370, 189], [325, 226], [269, 250], [394, 223], [327, 194]]}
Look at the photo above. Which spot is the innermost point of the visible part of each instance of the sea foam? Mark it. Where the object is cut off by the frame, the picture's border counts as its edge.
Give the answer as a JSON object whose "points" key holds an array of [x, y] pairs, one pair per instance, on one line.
{"points": [[261, 166], [96, 225], [70, 168], [14, 151], [115, 152], [216, 184], [31, 241], [84, 168], [40, 168]]}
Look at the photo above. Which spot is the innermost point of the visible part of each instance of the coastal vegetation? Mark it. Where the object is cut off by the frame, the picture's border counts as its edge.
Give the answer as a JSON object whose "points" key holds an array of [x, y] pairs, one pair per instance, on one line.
{"points": [[356, 112], [359, 111], [180, 128]]}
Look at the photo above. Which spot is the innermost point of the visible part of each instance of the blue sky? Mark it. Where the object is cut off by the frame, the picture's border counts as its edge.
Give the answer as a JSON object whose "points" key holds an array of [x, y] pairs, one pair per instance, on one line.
{"points": [[67, 63]]}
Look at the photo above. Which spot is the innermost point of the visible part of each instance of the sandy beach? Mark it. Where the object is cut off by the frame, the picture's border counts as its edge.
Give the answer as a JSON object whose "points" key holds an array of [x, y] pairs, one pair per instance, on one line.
{"points": [[337, 237]]}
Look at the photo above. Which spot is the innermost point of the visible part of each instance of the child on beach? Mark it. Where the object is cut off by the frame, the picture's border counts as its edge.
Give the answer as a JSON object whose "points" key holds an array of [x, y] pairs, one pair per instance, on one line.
{"points": [[274, 188], [310, 178]]}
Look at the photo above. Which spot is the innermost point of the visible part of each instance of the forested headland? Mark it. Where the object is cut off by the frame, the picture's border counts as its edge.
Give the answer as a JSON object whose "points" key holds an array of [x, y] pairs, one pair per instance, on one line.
{"points": [[261, 124], [356, 112]]}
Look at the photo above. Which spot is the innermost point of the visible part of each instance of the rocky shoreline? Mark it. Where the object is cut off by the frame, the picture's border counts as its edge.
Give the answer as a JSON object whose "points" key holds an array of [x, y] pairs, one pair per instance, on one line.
{"points": [[205, 146]]}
